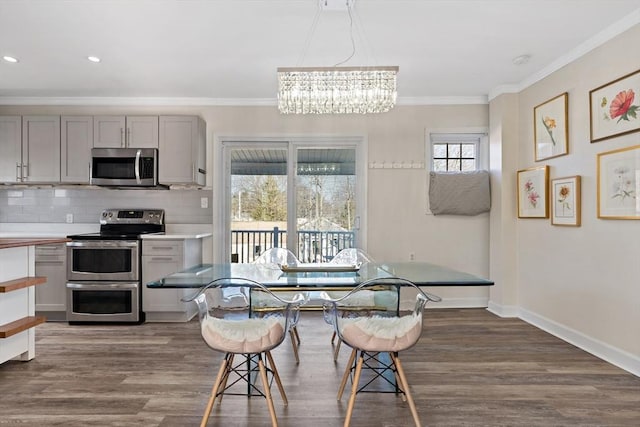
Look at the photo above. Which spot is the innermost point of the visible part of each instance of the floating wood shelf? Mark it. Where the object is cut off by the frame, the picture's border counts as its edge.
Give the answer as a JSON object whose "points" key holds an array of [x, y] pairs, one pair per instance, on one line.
{"points": [[23, 282], [20, 325]]}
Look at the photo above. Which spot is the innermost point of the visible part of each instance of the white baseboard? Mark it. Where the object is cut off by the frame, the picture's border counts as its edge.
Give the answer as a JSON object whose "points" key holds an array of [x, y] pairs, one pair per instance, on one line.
{"points": [[503, 310], [606, 352], [472, 302], [613, 355]]}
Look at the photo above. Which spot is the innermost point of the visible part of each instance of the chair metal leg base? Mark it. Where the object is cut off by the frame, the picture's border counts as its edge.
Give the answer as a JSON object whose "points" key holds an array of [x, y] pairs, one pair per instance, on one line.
{"points": [[364, 362], [246, 371]]}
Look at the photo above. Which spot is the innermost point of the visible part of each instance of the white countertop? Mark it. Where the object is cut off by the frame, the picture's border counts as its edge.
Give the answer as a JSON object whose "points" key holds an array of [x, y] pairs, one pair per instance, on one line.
{"points": [[176, 236]]}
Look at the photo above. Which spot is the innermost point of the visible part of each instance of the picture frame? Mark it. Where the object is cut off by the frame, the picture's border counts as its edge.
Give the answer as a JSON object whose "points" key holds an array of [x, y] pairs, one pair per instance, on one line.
{"points": [[565, 201], [619, 183], [551, 128], [533, 199], [615, 108]]}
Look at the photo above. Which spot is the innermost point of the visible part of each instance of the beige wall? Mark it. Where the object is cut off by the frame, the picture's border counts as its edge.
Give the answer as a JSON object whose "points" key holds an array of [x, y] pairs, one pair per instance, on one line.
{"points": [[580, 283]]}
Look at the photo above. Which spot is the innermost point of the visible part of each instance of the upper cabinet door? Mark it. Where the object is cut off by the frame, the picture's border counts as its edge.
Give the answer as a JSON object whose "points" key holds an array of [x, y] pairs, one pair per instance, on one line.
{"points": [[182, 150], [109, 131], [41, 148], [10, 148], [142, 131], [125, 131], [76, 140]]}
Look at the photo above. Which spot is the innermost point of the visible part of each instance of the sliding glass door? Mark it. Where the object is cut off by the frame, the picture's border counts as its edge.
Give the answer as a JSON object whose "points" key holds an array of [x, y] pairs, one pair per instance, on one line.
{"points": [[303, 195]]}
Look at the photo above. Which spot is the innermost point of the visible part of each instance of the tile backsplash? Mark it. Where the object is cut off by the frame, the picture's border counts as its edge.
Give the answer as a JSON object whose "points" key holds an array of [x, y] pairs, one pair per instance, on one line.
{"points": [[52, 205]]}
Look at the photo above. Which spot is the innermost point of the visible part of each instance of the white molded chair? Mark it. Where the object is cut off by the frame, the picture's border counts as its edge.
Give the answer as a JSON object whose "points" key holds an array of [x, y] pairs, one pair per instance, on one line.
{"points": [[351, 256], [278, 257], [369, 320], [243, 317]]}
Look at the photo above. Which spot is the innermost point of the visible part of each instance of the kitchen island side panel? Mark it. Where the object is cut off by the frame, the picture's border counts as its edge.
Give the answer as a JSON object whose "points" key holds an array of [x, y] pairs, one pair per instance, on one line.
{"points": [[17, 262]]}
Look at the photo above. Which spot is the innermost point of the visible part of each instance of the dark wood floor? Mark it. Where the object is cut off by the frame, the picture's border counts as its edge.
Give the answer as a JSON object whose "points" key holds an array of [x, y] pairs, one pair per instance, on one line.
{"points": [[470, 368]]}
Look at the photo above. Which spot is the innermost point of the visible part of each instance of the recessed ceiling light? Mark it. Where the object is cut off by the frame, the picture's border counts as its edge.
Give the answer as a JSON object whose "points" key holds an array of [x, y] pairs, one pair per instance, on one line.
{"points": [[93, 58], [10, 59], [522, 59]]}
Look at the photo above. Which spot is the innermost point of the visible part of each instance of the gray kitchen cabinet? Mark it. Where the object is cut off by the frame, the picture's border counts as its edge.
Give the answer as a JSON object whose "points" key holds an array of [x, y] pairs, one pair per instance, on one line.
{"points": [[51, 262], [125, 131], [182, 150], [161, 257], [10, 148], [76, 140], [40, 149]]}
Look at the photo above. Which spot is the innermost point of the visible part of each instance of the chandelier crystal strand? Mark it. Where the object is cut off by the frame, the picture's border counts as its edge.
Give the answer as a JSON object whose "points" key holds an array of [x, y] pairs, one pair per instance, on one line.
{"points": [[336, 90]]}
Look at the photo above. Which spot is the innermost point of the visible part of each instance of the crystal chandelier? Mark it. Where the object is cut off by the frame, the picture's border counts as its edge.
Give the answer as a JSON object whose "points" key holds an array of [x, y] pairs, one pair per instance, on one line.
{"points": [[336, 90]]}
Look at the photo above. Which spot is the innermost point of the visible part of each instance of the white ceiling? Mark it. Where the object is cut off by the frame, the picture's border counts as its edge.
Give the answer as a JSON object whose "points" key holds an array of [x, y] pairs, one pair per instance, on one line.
{"points": [[227, 51]]}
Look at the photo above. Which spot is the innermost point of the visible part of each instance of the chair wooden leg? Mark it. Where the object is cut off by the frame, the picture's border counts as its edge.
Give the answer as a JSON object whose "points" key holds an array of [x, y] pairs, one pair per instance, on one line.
{"points": [[333, 337], [223, 385], [347, 370], [214, 390], [354, 390], [295, 331], [294, 345], [267, 392], [276, 377], [336, 351], [405, 387]]}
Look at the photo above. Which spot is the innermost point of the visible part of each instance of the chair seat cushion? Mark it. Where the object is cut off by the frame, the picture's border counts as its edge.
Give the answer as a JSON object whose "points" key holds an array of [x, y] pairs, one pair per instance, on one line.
{"points": [[243, 336], [377, 333]]}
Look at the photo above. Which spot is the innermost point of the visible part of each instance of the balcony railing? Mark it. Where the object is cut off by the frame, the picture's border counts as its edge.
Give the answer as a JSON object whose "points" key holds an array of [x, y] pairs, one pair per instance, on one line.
{"points": [[312, 246]]}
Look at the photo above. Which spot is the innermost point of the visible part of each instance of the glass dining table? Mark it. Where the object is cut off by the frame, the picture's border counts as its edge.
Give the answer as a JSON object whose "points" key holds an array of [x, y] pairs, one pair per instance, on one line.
{"points": [[319, 276]]}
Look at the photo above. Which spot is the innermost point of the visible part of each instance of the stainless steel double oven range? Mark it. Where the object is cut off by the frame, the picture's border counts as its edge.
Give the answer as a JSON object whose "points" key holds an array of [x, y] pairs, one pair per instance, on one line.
{"points": [[104, 275]]}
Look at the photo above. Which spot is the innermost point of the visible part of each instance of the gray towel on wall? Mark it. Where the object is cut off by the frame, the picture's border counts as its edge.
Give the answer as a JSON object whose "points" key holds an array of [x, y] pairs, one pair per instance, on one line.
{"points": [[459, 193]]}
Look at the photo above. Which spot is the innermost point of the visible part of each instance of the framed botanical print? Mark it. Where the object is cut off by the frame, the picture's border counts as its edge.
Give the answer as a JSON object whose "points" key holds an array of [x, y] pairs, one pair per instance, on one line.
{"points": [[619, 183], [532, 192], [565, 201], [551, 128], [615, 107]]}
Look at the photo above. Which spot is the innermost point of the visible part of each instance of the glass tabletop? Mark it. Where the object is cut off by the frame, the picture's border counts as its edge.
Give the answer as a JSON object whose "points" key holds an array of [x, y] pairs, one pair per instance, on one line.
{"points": [[421, 273]]}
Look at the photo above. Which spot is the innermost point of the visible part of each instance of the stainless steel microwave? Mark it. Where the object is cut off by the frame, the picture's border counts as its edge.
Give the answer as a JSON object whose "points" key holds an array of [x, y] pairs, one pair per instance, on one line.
{"points": [[136, 167]]}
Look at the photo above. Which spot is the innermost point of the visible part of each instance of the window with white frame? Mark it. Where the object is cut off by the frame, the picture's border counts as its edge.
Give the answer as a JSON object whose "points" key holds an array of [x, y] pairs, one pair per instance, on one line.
{"points": [[455, 152]]}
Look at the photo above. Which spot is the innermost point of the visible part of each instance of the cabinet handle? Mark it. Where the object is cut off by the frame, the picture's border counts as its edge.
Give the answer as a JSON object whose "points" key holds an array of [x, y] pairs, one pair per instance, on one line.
{"points": [[166, 258], [162, 247], [122, 141], [90, 177], [18, 172], [25, 175], [193, 172], [128, 136]]}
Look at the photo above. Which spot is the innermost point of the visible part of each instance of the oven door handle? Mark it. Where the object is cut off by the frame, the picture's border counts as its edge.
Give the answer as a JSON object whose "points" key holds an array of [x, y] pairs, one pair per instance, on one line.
{"points": [[102, 286], [103, 244], [137, 167]]}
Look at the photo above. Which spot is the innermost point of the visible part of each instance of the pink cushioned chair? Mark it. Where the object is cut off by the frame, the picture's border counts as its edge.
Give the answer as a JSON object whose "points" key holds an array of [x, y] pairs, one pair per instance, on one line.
{"points": [[277, 257], [352, 256], [369, 320], [243, 317]]}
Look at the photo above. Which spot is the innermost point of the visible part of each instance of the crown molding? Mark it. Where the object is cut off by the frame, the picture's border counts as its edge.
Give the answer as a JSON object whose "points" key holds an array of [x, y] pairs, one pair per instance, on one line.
{"points": [[229, 102], [443, 100], [594, 42], [136, 101]]}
